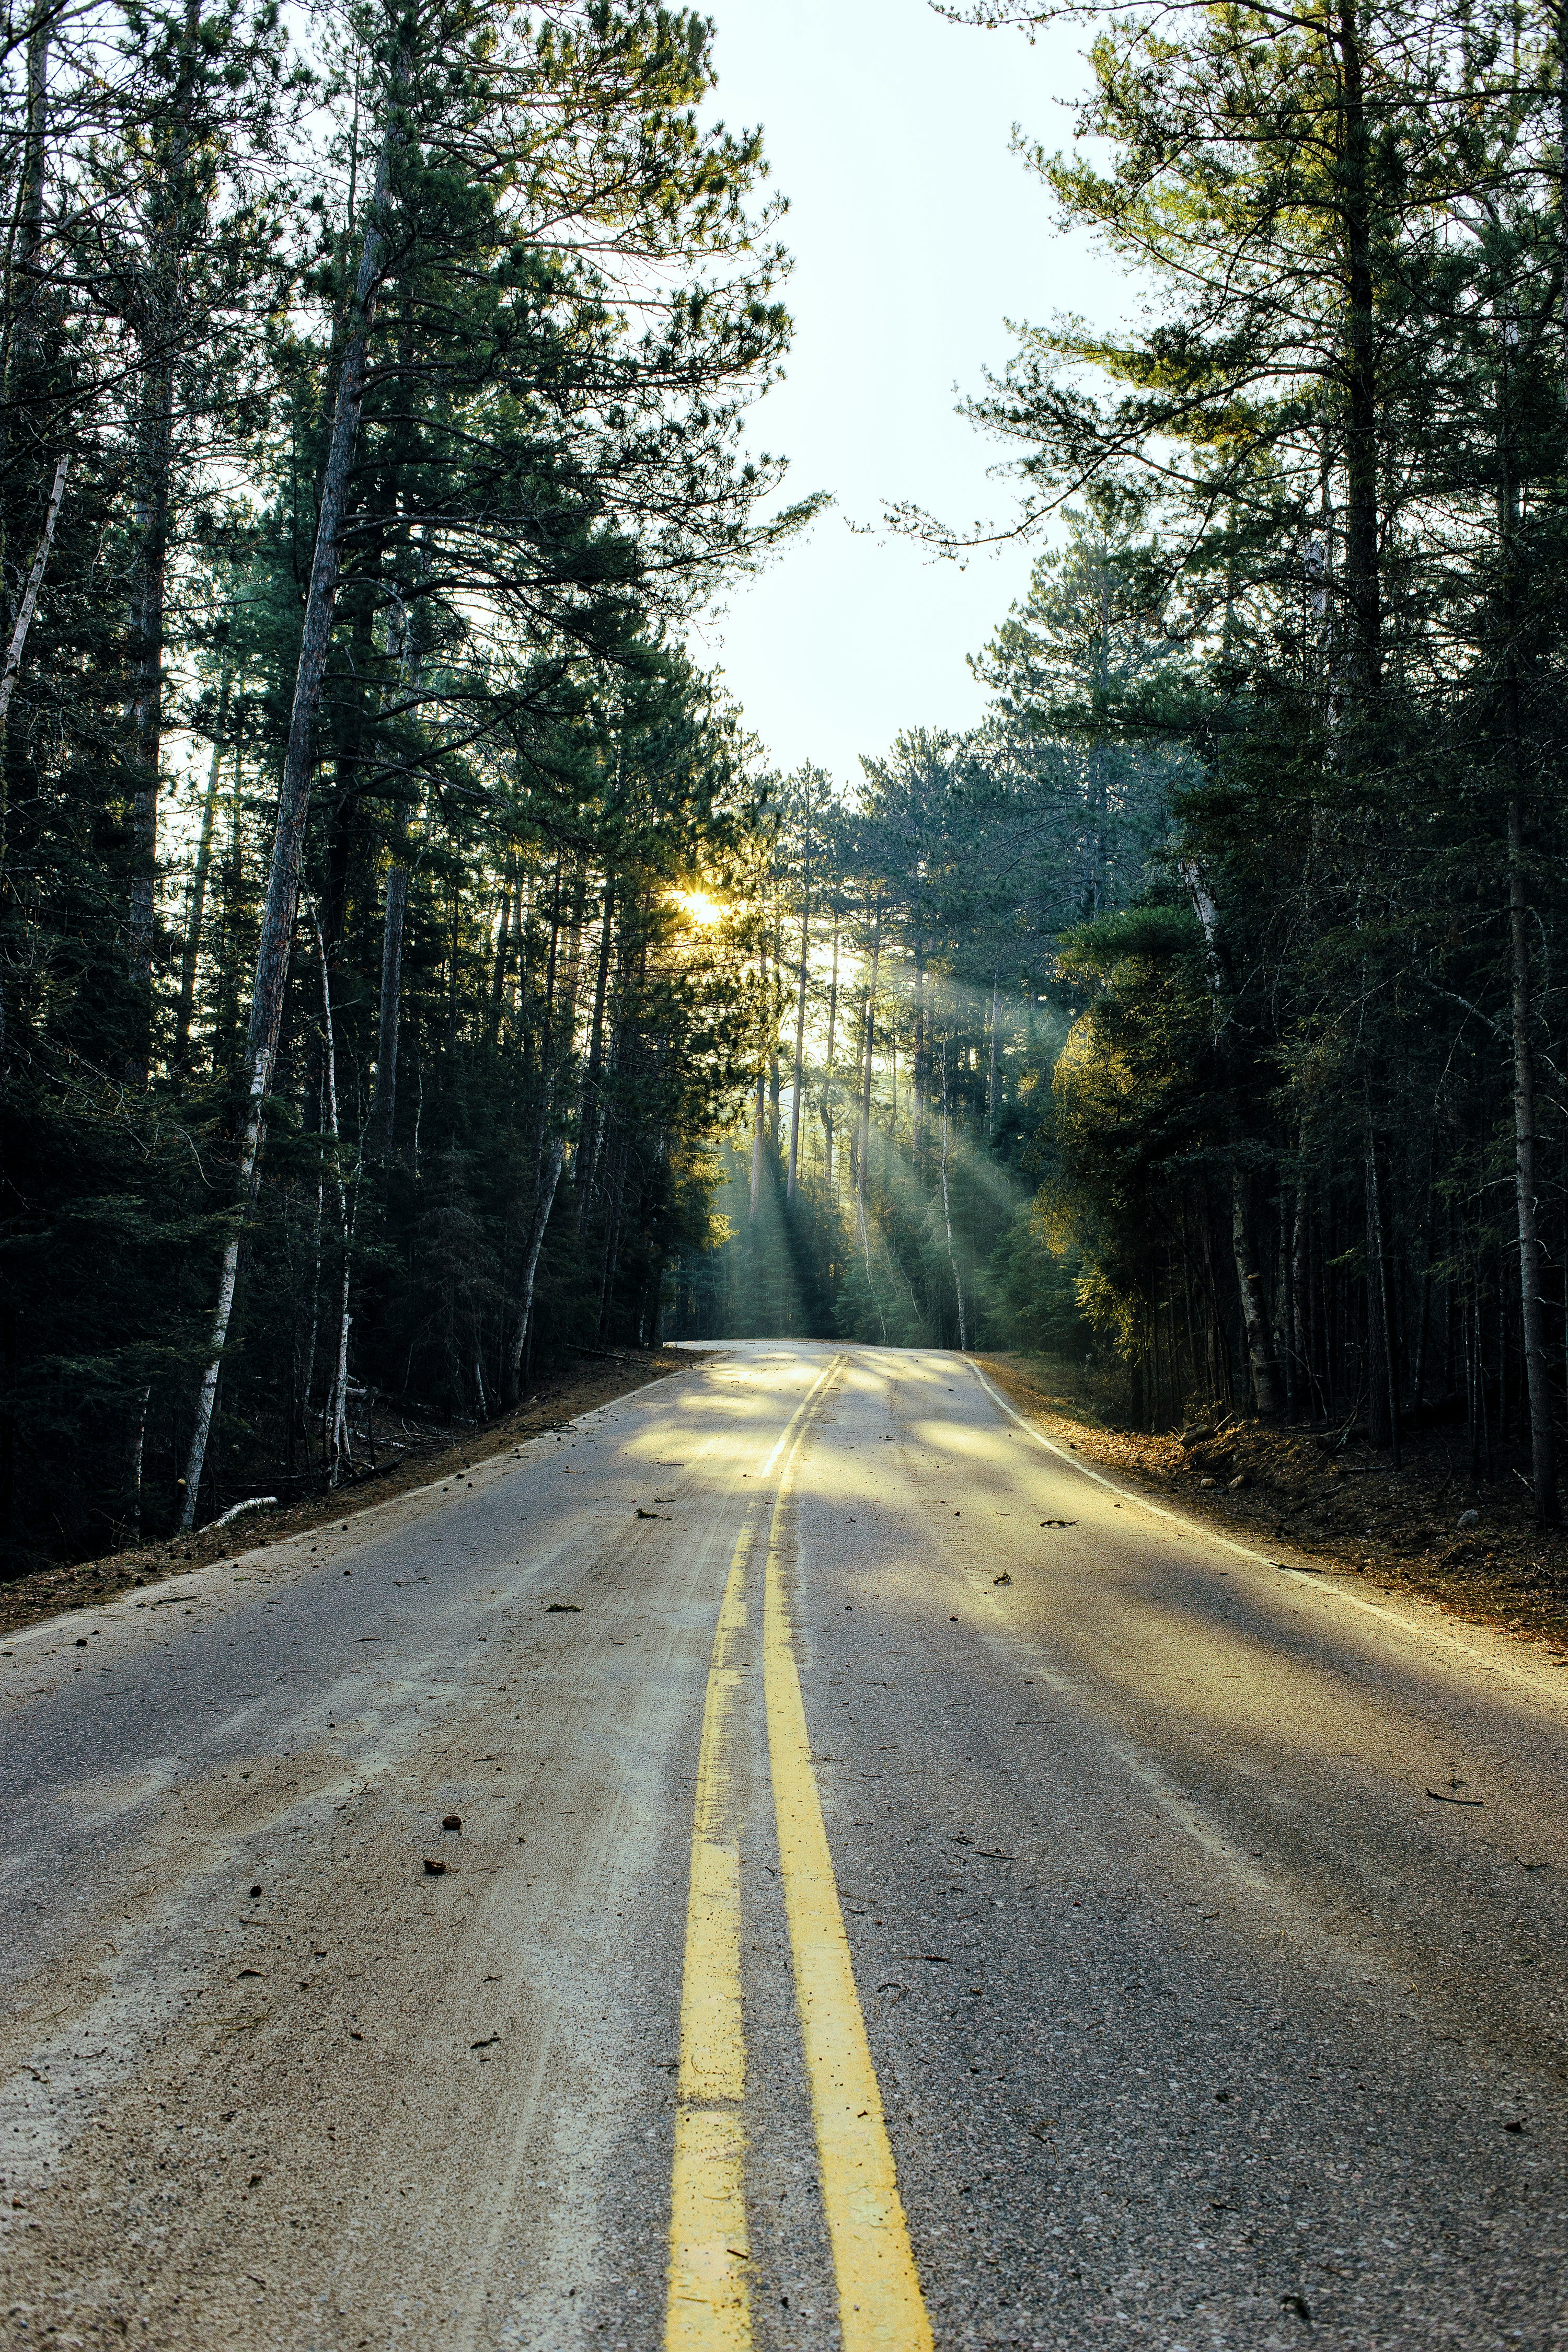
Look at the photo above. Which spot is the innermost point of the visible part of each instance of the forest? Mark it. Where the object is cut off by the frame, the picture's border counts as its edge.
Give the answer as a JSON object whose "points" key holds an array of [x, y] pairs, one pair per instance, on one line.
{"points": [[412, 971]]}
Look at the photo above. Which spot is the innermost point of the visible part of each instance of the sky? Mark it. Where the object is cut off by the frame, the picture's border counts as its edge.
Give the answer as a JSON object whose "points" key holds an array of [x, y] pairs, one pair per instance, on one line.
{"points": [[917, 233]]}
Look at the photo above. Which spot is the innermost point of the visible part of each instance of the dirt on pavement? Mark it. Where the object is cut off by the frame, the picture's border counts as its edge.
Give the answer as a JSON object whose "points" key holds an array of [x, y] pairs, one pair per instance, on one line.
{"points": [[431, 1454]]}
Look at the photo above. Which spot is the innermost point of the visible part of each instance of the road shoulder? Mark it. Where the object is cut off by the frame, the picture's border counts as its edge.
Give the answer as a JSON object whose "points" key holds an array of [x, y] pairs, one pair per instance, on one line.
{"points": [[1509, 1579]]}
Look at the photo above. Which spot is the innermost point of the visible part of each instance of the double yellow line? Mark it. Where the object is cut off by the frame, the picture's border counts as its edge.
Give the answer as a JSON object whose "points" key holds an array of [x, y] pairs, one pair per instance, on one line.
{"points": [[880, 2307]]}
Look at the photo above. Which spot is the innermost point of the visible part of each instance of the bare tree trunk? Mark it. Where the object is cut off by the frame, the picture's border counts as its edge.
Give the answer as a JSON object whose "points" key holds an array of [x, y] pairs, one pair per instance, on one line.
{"points": [[593, 1120], [293, 802], [30, 594], [865, 1146], [920, 1058], [338, 1449], [827, 1073], [1381, 1298], [137, 1450], [991, 1082], [147, 631], [1298, 1278], [199, 879], [1532, 1269], [8, 675], [799, 1047], [384, 1101], [947, 1212], [775, 1011], [1248, 1276], [759, 1131], [498, 974], [545, 1201]]}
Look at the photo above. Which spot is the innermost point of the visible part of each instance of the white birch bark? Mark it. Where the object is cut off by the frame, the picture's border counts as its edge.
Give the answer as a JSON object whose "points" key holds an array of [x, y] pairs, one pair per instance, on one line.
{"points": [[293, 804], [30, 594]]}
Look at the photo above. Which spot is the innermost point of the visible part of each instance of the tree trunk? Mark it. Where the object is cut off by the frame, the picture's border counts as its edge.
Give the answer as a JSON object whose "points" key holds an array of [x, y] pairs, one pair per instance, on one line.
{"points": [[1531, 1268], [991, 1082], [337, 1450], [947, 1215], [199, 880], [293, 804], [1248, 1277], [30, 594], [827, 1071], [590, 1126], [1362, 587], [799, 1047], [759, 1132], [864, 1144], [147, 632], [545, 1201], [383, 1100]]}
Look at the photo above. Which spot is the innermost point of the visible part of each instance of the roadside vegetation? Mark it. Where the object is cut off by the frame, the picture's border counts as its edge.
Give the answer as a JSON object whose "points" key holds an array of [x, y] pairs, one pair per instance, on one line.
{"points": [[1200, 1014], [409, 969]]}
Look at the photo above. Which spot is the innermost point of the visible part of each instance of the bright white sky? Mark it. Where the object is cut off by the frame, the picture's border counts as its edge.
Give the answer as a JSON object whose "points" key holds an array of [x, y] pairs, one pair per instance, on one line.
{"points": [[916, 235]]}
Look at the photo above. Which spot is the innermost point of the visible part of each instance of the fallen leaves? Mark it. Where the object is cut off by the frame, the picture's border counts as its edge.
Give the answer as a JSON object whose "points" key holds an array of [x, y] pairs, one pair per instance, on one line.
{"points": [[563, 1609]]}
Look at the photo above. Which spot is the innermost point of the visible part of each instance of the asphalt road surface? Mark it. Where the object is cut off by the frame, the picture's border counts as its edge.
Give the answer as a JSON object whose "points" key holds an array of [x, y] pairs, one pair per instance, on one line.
{"points": [[907, 1892]]}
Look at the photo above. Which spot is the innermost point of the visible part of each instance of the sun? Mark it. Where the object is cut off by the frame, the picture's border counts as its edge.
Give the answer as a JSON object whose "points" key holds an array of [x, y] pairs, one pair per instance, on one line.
{"points": [[698, 906]]}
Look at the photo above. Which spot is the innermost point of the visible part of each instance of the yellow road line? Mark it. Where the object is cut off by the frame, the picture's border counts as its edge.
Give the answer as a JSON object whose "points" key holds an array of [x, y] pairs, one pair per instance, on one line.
{"points": [[709, 2307], [879, 2300]]}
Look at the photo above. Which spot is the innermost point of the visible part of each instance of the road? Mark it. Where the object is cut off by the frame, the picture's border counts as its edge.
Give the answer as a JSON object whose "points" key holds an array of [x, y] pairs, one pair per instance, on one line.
{"points": [[908, 1891]]}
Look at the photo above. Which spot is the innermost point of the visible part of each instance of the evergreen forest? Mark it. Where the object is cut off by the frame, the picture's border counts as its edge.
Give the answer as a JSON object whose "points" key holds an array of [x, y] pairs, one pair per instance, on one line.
{"points": [[414, 975]]}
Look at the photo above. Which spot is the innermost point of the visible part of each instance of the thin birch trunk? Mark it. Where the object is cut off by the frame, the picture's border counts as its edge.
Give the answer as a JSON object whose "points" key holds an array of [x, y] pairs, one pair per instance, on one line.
{"points": [[293, 804], [8, 676], [545, 1201], [30, 594]]}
